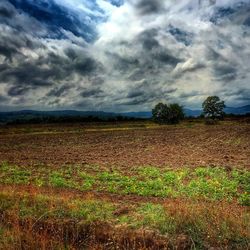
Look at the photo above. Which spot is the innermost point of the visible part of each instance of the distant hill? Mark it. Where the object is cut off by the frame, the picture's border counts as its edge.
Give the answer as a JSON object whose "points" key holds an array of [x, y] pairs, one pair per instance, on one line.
{"points": [[145, 115], [66, 115], [238, 111], [196, 112], [228, 110], [32, 114]]}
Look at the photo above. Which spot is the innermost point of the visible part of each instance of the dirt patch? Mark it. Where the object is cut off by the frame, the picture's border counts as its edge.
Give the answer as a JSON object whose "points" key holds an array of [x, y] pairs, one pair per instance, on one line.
{"points": [[225, 145]]}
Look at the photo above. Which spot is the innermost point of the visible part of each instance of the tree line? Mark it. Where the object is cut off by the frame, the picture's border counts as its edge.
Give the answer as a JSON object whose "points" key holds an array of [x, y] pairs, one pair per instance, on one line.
{"points": [[173, 113], [213, 110]]}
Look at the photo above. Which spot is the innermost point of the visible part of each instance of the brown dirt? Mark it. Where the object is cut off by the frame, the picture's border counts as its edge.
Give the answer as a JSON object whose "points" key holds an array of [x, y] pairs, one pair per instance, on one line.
{"points": [[227, 144]]}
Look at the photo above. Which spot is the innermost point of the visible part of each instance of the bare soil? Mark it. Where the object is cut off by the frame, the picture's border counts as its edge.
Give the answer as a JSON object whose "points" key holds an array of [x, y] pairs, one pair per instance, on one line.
{"points": [[226, 144]]}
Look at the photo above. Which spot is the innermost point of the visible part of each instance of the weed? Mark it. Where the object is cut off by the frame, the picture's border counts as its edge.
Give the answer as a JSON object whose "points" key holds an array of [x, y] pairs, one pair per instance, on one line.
{"points": [[57, 179], [149, 172], [244, 199], [16, 176]]}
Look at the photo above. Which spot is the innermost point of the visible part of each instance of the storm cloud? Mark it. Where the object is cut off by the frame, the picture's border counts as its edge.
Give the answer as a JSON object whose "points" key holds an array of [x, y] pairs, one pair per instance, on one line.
{"points": [[122, 55]]}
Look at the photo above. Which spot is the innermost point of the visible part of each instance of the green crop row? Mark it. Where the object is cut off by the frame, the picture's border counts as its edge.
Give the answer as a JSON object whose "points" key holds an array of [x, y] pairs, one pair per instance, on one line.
{"points": [[203, 182]]}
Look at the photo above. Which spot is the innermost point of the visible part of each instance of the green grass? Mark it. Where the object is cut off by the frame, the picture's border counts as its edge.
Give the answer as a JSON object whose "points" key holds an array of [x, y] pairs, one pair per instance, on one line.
{"points": [[52, 207], [203, 182], [156, 217]]}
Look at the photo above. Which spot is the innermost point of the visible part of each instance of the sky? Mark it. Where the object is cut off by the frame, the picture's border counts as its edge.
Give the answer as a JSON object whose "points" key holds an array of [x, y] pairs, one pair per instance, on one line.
{"points": [[123, 55]]}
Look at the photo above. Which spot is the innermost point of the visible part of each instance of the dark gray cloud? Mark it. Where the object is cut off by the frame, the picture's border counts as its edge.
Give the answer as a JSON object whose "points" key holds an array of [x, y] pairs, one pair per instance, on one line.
{"points": [[146, 7], [92, 93], [146, 92], [3, 99], [122, 63], [57, 15], [190, 94], [6, 12], [43, 69], [153, 50], [247, 21], [8, 52], [181, 35], [59, 91], [225, 72], [149, 56], [147, 39], [135, 93]]}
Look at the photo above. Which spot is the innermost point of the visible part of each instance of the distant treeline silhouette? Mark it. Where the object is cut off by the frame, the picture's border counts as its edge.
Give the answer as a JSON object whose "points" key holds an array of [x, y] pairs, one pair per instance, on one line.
{"points": [[89, 119], [69, 119]]}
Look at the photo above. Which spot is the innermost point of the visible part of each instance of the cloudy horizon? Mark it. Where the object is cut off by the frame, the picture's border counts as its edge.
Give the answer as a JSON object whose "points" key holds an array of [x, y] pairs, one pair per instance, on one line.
{"points": [[123, 55]]}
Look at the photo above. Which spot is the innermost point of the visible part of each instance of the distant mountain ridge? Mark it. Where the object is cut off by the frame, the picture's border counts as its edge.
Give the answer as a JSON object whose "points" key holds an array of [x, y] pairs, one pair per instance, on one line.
{"points": [[228, 110], [28, 114], [195, 112], [240, 110]]}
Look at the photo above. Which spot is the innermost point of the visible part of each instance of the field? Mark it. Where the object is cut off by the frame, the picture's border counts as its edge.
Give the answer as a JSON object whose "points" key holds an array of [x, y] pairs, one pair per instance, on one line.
{"points": [[124, 185]]}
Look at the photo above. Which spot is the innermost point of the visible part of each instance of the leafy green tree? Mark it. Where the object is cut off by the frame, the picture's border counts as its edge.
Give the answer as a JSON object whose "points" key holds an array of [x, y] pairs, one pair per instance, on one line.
{"points": [[167, 114], [213, 108]]}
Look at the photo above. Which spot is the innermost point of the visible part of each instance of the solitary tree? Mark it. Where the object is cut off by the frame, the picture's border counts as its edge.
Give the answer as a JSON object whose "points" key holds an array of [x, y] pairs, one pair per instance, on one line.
{"points": [[169, 114], [213, 108]]}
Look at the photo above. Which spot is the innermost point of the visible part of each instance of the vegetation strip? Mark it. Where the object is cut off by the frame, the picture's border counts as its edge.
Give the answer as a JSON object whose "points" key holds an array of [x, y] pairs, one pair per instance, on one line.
{"points": [[201, 183]]}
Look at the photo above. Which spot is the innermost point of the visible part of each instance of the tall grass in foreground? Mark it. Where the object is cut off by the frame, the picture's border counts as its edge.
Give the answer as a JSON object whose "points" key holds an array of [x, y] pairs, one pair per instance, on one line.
{"points": [[64, 221], [206, 207]]}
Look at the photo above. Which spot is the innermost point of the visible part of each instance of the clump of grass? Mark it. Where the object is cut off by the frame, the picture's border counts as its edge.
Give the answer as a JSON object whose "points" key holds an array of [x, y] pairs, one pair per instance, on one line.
{"points": [[243, 178], [92, 210], [14, 238], [209, 172], [244, 199], [88, 180], [53, 207], [212, 189], [12, 174], [156, 217], [149, 172], [207, 223], [58, 179]]}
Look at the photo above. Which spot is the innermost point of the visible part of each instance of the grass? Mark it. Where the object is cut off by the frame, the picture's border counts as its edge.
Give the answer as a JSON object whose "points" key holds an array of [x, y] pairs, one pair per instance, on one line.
{"points": [[201, 183], [27, 206], [203, 223], [208, 215], [155, 216]]}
